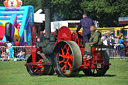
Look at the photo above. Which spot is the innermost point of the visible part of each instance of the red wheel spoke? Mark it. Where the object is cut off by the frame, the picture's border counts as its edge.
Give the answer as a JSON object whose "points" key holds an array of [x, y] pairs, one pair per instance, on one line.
{"points": [[61, 61], [40, 60], [62, 51], [35, 70], [67, 53], [65, 46], [40, 66], [70, 56], [63, 56], [63, 67], [69, 65]]}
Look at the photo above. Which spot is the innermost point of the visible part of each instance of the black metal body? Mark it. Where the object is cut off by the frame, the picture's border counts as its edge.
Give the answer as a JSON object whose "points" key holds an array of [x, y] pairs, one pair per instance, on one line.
{"points": [[47, 42]]}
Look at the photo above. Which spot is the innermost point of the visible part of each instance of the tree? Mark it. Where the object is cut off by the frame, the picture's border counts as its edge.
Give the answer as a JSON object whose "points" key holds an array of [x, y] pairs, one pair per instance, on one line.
{"points": [[38, 4], [66, 9], [2, 2], [106, 11]]}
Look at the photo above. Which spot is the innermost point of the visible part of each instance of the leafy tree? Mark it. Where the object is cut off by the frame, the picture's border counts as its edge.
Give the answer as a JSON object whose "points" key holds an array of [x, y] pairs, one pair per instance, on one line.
{"points": [[2, 2], [106, 11], [36, 3], [66, 9]]}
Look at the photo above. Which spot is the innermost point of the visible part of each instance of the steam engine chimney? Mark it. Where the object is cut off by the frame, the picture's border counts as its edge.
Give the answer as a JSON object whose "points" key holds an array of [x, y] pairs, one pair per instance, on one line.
{"points": [[47, 42], [47, 4], [47, 22]]}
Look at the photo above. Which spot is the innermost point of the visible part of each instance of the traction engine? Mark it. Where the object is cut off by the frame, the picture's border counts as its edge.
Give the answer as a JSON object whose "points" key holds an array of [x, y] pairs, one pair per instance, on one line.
{"points": [[63, 52]]}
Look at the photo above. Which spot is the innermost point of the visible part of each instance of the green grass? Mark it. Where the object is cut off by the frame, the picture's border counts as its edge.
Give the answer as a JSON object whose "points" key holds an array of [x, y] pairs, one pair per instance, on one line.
{"points": [[14, 73]]}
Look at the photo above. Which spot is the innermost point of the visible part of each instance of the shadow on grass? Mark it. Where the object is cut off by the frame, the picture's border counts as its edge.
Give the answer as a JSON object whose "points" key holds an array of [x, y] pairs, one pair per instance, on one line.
{"points": [[83, 75], [108, 75]]}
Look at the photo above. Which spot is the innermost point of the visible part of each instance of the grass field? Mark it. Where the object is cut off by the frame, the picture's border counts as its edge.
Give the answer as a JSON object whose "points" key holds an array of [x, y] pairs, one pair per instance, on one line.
{"points": [[14, 73]]}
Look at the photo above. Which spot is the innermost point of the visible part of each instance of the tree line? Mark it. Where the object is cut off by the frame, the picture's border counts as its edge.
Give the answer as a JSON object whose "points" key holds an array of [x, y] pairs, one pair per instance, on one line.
{"points": [[106, 12]]}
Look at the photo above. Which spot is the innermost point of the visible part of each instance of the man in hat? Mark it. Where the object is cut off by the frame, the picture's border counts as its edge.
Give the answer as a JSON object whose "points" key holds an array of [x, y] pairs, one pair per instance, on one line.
{"points": [[86, 22]]}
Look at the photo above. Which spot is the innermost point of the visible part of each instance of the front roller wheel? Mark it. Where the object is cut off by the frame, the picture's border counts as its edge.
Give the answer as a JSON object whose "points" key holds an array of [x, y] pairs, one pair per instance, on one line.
{"points": [[41, 67], [67, 59]]}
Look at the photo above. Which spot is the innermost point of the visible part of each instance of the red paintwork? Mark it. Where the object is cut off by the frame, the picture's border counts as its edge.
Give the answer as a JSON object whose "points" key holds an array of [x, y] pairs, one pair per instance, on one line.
{"points": [[34, 51], [97, 58], [33, 30], [30, 64], [77, 38], [64, 33]]}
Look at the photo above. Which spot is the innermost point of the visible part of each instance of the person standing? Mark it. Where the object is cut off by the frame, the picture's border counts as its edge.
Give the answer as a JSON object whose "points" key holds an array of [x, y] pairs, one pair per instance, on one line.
{"points": [[110, 43], [104, 40], [10, 50], [117, 45], [11, 53], [86, 22], [17, 43], [122, 50]]}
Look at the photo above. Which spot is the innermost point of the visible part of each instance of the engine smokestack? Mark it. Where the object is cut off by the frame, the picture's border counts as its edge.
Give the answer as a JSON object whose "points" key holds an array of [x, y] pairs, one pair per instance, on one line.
{"points": [[47, 22]]}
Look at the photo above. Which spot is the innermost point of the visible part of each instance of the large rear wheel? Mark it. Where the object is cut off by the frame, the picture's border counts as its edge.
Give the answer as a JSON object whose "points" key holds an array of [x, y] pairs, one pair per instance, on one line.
{"points": [[67, 58]]}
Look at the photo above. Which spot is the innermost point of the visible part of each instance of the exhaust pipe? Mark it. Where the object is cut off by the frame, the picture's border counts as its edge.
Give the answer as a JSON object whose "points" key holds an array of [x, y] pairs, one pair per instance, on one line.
{"points": [[47, 23]]}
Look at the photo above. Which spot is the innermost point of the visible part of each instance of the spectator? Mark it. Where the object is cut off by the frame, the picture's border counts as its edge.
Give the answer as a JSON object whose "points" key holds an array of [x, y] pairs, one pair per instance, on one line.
{"points": [[110, 43], [104, 40], [11, 53], [17, 43], [117, 45], [10, 50], [122, 51], [21, 55]]}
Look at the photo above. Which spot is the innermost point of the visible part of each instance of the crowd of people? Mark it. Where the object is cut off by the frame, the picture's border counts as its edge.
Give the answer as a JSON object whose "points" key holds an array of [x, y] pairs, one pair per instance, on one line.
{"points": [[7, 50], [115, 45]]}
